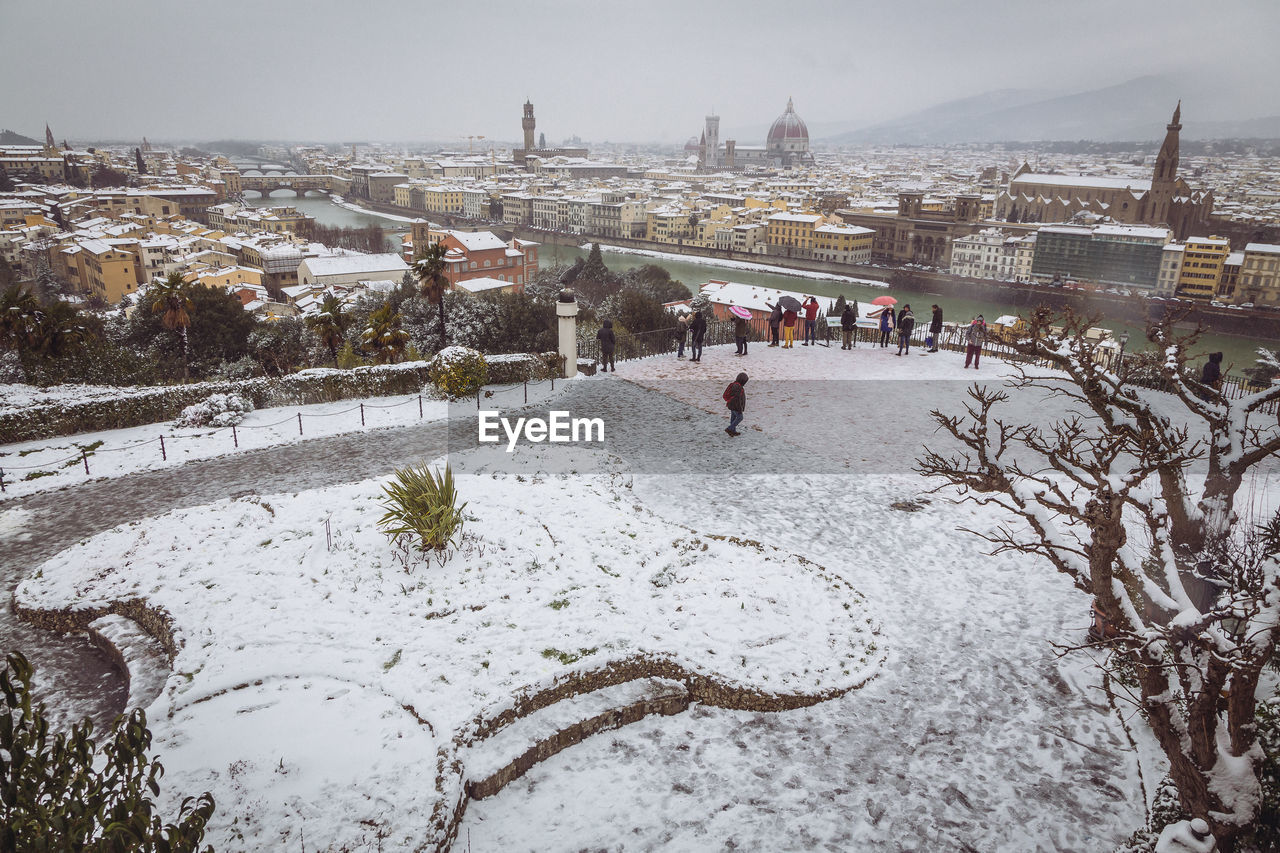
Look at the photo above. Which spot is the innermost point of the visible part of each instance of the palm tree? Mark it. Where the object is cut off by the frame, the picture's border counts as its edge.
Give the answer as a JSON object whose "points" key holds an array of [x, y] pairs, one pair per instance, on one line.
{"points": [[56, 330], [428, 268], [329, 325], [18, 307], [171, 298], [383, 337]]}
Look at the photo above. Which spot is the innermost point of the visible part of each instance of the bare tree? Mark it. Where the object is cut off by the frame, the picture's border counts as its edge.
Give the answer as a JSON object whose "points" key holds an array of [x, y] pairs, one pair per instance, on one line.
{"points": [[1103, 494]]}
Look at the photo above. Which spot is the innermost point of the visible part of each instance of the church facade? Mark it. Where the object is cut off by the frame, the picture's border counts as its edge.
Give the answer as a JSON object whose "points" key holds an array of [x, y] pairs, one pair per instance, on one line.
{"points": [[1163, 200]]}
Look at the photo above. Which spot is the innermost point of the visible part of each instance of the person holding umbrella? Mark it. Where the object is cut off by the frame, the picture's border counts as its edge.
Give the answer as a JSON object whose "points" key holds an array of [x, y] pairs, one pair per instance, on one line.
{"points": [[775, 320], [886, 317], [740, 317], [790, 310]]}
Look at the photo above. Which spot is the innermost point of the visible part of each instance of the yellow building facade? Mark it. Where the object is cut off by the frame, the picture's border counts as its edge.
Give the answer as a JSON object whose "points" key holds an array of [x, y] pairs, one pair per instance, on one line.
{"points": [[1202, 261]]}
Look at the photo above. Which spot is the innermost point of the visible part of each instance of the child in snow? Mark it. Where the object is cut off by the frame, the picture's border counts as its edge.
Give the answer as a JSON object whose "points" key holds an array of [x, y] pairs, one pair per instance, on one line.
{"points": [[788, 328], [735, 398]]}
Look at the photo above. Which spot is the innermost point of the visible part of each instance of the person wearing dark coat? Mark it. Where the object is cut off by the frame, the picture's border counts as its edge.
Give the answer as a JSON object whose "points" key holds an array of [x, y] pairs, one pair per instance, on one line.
{"points": [[849, 324], [1212, 374], [906, 323], [735, 397], [886, 325], [740, 334], [607, 342], [935, 329], [697, 331], [775, 320]]}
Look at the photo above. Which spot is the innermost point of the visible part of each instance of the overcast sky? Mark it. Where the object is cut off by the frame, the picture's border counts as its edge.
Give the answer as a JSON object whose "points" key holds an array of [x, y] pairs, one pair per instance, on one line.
{"points": [[647, 70]]}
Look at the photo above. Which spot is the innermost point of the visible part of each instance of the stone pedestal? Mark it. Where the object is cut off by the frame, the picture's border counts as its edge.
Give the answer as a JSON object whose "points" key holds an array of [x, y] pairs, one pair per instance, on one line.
{"points": [[567, 314]]}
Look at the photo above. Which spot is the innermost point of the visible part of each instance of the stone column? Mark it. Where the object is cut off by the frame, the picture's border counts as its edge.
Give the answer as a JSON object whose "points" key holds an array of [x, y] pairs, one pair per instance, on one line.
{"points": [[567, 312]]}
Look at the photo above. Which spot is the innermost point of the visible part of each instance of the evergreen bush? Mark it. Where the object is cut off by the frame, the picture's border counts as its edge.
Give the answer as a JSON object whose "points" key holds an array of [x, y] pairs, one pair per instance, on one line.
{"points": [[220, 410], [63, 792], [422, 505], [458, 372]]}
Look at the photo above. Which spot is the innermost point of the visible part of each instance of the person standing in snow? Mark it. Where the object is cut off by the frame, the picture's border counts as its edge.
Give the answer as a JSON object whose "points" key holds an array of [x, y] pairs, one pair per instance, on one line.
{"points": [[974, 337], [697, 332], [810, 321], [740, 334], [935, 329], [906, 323], [735, 398], [607, 342], [775, 320], [886, 325], [849, 324], [682, 332], [788, 328], [1212, 374]]}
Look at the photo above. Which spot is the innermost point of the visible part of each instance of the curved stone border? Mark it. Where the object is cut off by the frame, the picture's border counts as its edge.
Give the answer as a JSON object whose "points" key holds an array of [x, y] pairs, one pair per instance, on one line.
{"points": [[705, 689], [138, 656], [157, 623]]}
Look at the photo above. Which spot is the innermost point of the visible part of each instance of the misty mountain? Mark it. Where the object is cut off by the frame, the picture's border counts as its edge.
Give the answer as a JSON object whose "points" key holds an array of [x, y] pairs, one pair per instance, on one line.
{"points": [[9, 137], [1138, 109]]}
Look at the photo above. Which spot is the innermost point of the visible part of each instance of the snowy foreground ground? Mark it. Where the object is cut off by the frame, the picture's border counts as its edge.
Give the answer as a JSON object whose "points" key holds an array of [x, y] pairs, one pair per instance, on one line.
{"points": [[324, 692]]}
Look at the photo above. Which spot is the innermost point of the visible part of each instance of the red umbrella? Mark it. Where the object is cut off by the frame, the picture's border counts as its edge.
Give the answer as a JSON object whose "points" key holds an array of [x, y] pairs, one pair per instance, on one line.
{"points": [[739, 311], [884, 300]]}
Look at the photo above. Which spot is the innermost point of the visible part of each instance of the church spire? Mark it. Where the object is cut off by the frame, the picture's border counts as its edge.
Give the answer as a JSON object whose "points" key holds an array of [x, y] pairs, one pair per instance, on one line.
{"points": [[50, 146], [1176, 124]]}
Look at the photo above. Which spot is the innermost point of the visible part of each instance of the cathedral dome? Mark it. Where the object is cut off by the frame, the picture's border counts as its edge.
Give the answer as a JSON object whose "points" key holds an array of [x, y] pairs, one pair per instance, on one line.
{"points": [[788, 130]]}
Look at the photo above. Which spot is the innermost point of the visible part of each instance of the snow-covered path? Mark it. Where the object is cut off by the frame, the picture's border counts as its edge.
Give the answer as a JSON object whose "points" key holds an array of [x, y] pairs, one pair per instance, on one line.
{"points": [[975, 737]]}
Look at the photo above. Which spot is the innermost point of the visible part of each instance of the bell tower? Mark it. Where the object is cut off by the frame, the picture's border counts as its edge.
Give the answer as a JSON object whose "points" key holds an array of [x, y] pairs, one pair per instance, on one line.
{"points": [[1165, 177], [528, 124]]}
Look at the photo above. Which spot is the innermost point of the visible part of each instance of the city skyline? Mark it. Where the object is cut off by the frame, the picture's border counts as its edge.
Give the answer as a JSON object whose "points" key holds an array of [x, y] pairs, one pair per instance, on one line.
{"points": [[644, 74]]}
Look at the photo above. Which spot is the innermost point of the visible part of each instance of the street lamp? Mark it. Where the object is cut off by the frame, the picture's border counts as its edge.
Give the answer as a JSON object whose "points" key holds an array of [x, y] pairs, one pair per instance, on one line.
{"points": [[1124, 340]]}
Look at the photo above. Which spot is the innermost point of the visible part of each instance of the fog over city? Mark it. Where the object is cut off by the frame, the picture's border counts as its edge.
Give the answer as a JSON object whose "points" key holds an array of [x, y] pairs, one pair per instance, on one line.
{"points": [[634, 72]]}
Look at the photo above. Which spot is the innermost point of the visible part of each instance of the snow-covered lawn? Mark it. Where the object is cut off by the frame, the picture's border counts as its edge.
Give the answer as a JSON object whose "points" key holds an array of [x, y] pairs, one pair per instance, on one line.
{"points": [[36, 466], [316, 675]]}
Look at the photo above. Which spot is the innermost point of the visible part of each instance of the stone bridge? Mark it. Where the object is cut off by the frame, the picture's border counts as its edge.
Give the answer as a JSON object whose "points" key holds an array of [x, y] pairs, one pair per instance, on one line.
{"points": [[300, 184]]}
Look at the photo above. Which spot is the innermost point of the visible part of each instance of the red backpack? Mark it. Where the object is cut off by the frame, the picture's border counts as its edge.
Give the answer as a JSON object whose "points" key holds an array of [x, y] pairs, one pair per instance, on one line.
{"points": [[728, 392]]}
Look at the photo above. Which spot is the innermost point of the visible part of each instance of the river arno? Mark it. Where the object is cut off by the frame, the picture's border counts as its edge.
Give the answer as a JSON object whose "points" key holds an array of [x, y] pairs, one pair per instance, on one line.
{"points": [[1240, 352]]}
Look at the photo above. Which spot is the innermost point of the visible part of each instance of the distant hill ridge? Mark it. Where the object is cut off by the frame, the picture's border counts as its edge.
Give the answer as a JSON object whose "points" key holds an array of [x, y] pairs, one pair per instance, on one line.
{"points": [[9, 137], [1137, 109]]}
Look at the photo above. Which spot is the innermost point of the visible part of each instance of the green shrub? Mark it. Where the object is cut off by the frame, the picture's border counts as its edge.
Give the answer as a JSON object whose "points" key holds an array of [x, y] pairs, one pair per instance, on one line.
{"points": [[422, 505], [459, 372], [66, 793]]}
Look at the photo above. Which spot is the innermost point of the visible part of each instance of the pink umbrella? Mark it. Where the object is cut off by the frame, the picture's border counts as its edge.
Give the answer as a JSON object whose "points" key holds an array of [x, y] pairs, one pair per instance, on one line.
{"points": [[884, 300], [739, 311]]}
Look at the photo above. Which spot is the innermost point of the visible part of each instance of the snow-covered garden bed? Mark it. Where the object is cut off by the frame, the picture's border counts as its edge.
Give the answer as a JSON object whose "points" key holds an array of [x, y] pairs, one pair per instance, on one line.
{"points": [[317, 670]]}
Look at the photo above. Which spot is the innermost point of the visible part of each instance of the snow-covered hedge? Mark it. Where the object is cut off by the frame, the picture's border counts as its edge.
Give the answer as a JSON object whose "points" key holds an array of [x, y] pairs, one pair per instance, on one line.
{"points": [[220, 410], [49, 413], [28, 413]]}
